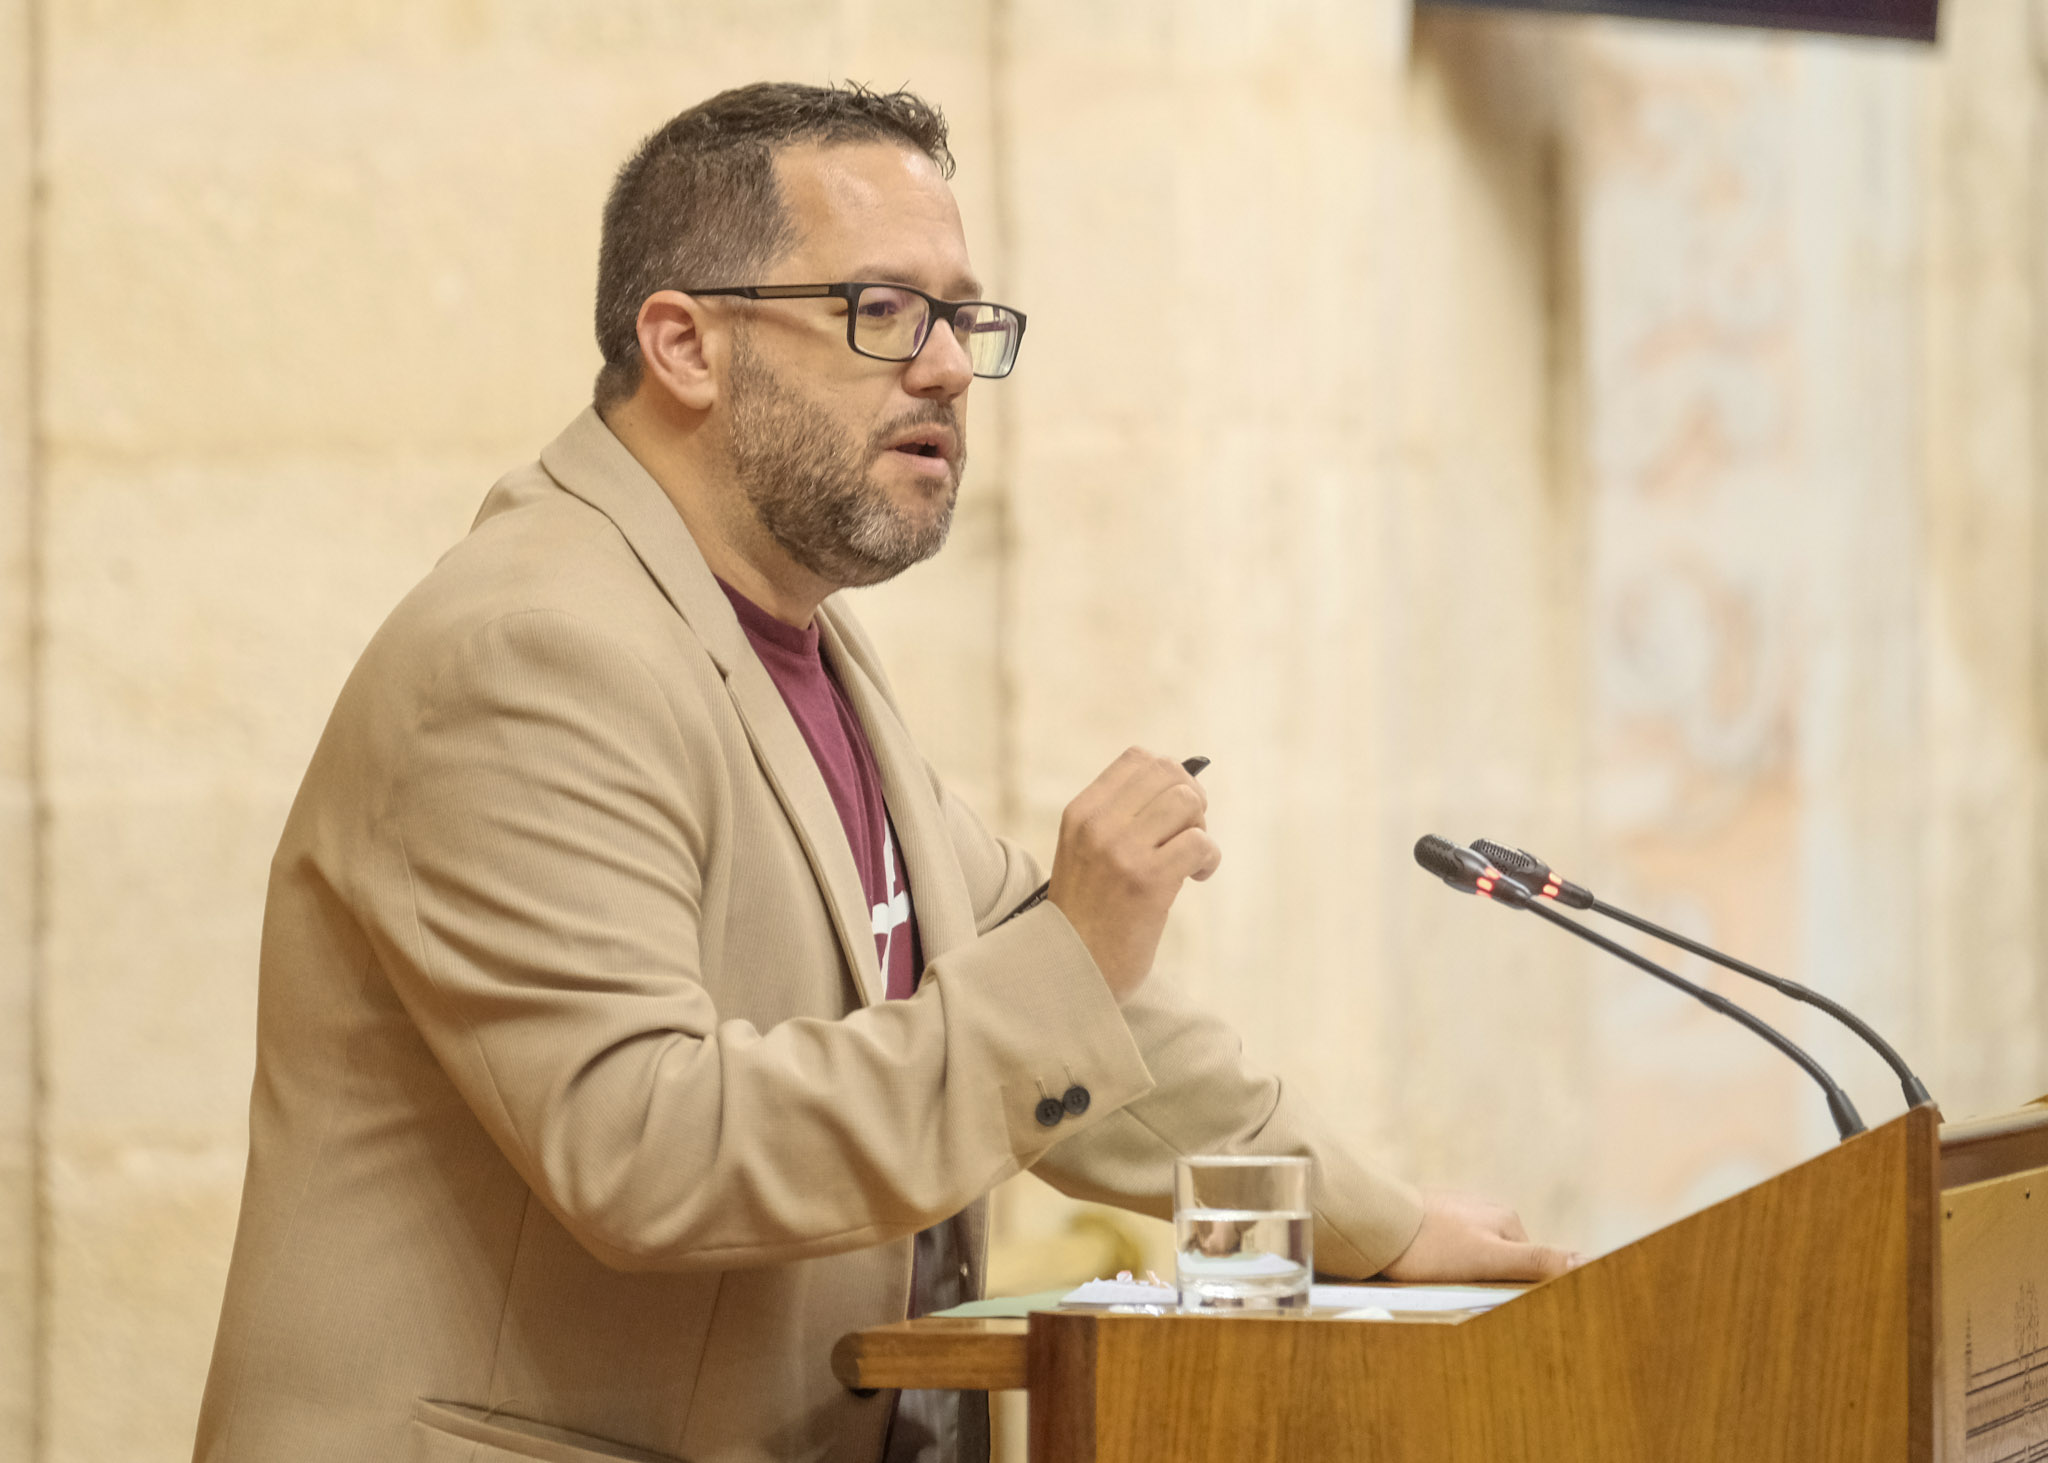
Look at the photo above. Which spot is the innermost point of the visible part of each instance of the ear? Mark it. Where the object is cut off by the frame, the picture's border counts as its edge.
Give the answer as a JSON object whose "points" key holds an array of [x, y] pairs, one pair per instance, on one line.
{"points": [[681, 348]]}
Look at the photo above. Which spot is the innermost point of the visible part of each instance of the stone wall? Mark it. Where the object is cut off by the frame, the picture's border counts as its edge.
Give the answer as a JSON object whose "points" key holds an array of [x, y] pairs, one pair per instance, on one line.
{"points": [[18, 1209], [1812, 375], [1616, 438]]}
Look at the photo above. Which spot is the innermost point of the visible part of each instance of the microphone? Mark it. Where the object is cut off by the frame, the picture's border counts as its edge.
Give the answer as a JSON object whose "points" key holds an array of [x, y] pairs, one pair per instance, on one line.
{"points": [[1533, 871], [1466, 871], [1463, 869]]}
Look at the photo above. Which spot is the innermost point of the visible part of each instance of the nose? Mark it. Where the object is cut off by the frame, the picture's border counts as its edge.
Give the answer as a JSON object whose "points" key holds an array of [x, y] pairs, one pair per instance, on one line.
{"points": [[940, 370]]}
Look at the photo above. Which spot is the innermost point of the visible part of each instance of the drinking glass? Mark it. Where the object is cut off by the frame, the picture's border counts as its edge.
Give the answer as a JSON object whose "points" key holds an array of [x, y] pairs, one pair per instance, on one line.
{"points": [[1242, 1231]]}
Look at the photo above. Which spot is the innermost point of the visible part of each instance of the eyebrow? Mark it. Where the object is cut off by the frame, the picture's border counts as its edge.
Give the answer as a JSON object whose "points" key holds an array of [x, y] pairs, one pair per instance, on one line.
{"points": [[966, 286]]}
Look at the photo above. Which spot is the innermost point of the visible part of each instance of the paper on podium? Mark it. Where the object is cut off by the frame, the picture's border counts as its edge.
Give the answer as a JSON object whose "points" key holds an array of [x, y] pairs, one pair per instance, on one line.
{"points": [[1124, 1291], [1411, 1297]]}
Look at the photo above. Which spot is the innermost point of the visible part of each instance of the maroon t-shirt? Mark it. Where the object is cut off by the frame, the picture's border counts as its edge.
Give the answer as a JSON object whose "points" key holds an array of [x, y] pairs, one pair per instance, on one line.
{"points": [[840, 746]]}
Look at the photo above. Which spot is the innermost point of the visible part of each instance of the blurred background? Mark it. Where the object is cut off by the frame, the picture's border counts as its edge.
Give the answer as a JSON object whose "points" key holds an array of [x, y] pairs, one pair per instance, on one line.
{"points": [[1623, 439]]}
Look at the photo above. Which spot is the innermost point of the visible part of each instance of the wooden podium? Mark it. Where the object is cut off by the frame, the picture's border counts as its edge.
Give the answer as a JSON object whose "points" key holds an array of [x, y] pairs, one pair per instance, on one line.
{"points": [[1881, 1302]]}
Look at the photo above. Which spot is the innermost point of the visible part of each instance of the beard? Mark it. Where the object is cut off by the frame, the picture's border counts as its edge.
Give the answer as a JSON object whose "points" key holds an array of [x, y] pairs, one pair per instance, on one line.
{"points": [[812, 487]]}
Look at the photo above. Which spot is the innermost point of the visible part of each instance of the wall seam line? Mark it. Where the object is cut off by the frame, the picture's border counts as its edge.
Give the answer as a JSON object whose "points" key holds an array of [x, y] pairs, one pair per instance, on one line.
{"points": [[2037, 272], [1009, 772], [35, 456]]}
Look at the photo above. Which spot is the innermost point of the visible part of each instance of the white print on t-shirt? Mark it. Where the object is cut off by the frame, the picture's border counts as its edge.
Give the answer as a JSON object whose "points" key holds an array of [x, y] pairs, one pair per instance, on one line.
{"points": [[894, 913]]}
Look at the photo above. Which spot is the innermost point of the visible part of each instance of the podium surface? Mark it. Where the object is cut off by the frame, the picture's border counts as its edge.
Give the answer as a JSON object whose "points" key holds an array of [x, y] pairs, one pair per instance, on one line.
{"points": [[1802, 1319]]}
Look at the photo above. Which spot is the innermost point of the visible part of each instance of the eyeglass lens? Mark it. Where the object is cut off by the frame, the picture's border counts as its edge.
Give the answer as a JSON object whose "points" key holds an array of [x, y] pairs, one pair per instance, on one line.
{"points": [[891, 323]]}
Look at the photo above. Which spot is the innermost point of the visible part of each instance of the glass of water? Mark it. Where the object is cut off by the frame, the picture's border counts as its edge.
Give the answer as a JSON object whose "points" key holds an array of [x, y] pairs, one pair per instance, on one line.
{"points": [[1242, 1231]]}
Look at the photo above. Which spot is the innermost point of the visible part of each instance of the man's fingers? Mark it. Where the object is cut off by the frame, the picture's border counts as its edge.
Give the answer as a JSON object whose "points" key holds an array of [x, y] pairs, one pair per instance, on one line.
{"points": [[1468, 1238], [1194, 853], [1125, 788], [1171, 809], [1149, 779], [1126, 844], [1533, 1262], [1109, 784], [1482, 1215]]}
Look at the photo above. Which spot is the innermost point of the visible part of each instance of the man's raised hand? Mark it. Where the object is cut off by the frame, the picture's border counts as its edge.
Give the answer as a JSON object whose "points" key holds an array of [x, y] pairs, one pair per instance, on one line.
{"points": [[1127, 843]]}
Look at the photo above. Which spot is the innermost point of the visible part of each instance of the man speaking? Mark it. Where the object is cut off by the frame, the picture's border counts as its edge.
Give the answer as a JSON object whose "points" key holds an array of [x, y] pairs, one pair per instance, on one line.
{"points": [[638, 1012]]}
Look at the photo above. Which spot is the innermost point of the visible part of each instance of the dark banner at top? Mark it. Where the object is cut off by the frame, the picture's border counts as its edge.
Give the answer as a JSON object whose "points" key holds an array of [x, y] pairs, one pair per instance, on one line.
{"points": [[1905, 20]]}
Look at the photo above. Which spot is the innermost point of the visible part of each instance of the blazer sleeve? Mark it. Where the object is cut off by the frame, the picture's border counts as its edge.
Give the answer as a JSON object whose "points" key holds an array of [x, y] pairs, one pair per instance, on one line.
{"points": [[533, 891], [1207, 1099], [1000, 873]]}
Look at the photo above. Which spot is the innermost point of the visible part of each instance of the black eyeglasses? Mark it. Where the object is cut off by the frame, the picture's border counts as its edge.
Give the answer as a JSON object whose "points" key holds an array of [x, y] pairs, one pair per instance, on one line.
{"points": [[890, 322]]}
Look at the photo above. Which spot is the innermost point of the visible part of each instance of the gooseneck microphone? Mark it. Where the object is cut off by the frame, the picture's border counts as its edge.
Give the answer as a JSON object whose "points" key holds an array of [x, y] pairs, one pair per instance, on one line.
{"points": [[1527, 869], [1465, 870]]}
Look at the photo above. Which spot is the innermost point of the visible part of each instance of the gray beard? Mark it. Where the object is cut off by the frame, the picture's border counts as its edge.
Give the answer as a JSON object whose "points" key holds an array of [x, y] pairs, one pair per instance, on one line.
{"points": [[810, 488]]}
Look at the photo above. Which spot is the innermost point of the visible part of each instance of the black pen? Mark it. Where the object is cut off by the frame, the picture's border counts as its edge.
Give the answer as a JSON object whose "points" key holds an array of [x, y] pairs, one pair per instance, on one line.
{"points": [[1192, 766]]}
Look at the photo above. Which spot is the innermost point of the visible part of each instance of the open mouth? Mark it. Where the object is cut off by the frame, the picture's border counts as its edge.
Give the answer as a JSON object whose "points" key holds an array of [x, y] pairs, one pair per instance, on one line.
{"points": [[936, 442]]}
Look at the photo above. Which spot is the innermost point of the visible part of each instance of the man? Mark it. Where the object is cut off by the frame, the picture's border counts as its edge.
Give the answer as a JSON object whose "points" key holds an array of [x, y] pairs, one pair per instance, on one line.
{"points": [[639, 1014]]}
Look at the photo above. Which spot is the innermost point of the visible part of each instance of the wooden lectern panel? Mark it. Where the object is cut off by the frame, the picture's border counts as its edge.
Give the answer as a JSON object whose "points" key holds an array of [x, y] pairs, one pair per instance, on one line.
{"points": [[1793, 1321]]}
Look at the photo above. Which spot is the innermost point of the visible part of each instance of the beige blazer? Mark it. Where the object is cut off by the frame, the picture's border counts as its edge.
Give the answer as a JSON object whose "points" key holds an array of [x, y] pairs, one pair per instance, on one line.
{"points": [[581, 1128]]}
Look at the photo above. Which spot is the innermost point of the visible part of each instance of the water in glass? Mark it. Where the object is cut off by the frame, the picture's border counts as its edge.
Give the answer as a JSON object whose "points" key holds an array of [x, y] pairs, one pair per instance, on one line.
{"points": [[1243, 1259]]}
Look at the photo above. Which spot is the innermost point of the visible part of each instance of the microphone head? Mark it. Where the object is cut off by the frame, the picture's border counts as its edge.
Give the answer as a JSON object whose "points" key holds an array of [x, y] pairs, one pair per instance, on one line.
{"points": [[1512, 862], [1459, 867], [1526, 868], [1439, 856]]}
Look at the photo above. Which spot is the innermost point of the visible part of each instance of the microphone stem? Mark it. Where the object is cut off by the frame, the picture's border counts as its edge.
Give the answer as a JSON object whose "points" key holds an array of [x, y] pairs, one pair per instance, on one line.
{"points": [[1912, 1086], [1847, 1123]]}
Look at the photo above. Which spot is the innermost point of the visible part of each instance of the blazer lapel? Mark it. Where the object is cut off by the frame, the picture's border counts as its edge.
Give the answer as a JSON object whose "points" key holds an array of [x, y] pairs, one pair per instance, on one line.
{"points": [[793, 772], [938, 893], [590, 462]]}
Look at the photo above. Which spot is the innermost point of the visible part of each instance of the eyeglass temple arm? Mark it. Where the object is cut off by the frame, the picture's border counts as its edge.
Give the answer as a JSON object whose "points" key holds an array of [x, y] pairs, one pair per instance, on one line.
{"points": [[776, 291]]}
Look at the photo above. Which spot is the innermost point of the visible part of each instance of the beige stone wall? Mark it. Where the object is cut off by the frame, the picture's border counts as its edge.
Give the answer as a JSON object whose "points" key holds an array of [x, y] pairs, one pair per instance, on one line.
{"points": [[1618, 439], [1812, 375], [18, 1238], [1983, 502], [1241, 530]]}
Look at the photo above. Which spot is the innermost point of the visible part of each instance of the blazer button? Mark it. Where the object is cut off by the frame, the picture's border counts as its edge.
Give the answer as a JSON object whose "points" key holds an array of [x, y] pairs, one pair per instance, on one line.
{"points": [[1075, 1100], [1050, 1112]]}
